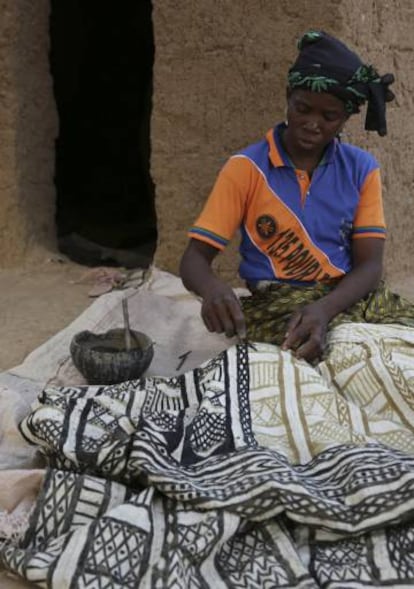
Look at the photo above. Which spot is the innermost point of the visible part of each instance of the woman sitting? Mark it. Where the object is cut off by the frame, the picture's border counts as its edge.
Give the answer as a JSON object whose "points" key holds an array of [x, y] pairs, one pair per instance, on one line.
{"points": [[310, 212]]}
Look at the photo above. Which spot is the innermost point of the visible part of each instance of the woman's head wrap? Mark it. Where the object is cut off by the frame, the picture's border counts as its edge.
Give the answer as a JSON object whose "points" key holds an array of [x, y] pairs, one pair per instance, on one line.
{"points": [[325, 64]]}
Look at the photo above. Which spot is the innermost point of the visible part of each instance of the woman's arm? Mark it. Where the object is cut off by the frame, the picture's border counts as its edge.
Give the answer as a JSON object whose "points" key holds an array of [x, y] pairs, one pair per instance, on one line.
{"points": [[307, 328], [221, 310]]}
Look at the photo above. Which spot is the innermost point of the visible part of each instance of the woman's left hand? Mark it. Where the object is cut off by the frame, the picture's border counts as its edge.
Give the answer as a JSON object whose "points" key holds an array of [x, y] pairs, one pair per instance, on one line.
{"points": [[306, 332]]}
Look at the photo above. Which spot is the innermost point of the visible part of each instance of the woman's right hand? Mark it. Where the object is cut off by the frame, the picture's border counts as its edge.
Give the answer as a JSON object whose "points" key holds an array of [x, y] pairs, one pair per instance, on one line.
{"points": [[221, 311]]}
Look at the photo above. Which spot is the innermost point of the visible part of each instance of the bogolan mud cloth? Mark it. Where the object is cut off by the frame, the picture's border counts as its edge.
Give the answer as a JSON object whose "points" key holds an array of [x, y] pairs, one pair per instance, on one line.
{"points": [[254, 470]]}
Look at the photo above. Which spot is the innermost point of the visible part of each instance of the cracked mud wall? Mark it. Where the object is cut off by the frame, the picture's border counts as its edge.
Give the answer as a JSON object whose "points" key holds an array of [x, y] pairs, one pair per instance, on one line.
{"points": [[219, 83], [28, 128]]}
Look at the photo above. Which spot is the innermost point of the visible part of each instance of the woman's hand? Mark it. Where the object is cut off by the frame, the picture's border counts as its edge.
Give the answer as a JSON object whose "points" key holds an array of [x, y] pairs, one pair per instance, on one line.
{"points": [[221, 311], [306, 332]]}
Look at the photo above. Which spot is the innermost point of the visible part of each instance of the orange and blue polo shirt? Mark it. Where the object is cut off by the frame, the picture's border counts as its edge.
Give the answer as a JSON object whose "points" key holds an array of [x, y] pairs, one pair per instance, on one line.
{"points": [[293, 228]]}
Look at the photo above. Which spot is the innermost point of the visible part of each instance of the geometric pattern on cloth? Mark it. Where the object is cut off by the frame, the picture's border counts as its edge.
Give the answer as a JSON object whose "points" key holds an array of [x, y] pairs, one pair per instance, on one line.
{"points": [[261, 555], [372, 368], [375, 559], [254, 470]]}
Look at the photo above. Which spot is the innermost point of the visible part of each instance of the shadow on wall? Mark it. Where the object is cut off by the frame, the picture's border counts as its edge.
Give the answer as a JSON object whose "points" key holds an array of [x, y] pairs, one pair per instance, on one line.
{"points": [[101, 61]]}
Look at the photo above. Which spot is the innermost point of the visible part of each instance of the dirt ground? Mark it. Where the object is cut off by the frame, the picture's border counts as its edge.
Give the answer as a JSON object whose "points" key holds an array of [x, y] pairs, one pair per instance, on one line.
{"points": [[37, 301], [43, 297]]}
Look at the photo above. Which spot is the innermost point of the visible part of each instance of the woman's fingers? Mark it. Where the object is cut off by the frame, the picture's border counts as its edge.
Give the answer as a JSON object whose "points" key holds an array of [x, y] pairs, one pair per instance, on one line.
{"points": [[310, 350], [304, 343], [294, 334], [224, 314]]}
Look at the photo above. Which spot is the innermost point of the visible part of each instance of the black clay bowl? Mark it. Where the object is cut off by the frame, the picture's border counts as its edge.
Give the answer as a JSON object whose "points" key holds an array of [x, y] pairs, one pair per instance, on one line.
{"points": [[104, 359]]}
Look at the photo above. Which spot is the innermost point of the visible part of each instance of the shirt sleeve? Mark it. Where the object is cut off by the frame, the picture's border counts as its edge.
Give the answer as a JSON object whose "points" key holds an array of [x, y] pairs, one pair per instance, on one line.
{"points": [[369, 218], [225, 208]]}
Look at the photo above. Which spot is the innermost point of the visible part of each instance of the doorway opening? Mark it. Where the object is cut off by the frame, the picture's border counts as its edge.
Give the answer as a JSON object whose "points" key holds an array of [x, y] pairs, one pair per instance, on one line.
{"points": [[101, 60]]}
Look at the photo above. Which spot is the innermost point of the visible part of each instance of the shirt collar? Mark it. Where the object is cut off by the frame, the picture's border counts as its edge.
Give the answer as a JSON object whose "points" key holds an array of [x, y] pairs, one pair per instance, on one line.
{"points": [[280, 158]]}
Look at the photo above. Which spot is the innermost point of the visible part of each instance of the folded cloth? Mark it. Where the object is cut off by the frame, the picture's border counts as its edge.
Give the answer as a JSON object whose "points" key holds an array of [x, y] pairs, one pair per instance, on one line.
{"points": [[19, 489], [252, 470]]}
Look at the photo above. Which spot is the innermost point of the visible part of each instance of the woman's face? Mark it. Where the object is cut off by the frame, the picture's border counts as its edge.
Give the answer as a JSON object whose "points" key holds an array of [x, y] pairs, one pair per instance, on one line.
{"points": [[314, 119]]}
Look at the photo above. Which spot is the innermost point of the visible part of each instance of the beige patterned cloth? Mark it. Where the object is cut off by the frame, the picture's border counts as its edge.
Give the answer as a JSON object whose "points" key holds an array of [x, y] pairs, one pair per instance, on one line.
{"points": [[363, 391]]}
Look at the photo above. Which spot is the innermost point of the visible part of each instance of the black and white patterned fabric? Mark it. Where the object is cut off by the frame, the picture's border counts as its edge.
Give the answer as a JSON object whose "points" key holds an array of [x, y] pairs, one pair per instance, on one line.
{"points": [[166, 483]]}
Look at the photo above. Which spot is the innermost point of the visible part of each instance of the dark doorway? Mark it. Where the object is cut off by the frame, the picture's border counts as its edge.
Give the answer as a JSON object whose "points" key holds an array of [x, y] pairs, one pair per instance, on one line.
{"points": [[101, 60]]}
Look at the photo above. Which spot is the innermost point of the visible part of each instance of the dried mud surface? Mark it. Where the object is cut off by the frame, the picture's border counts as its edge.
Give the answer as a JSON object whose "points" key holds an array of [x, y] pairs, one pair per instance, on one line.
{"points": [[36, 302]]}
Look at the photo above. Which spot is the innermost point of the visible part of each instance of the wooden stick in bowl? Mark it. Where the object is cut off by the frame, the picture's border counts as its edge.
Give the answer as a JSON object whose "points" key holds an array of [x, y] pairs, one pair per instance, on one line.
{"points": [[126, 324]]}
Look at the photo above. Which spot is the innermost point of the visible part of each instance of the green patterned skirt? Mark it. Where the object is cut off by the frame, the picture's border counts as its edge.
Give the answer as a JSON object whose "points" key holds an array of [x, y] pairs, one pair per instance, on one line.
{"points": [[268, 311]]}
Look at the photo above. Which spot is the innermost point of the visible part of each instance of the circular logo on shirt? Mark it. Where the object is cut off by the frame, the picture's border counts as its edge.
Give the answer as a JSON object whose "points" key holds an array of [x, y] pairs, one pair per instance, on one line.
{"points": [[266, 226]]}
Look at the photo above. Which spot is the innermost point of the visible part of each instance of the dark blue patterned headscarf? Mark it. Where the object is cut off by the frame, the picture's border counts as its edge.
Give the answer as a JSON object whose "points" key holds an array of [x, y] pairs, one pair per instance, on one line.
{"points": [[325, 64]]}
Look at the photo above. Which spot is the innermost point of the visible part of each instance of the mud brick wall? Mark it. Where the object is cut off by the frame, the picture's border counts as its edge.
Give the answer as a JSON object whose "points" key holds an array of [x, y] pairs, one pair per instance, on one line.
{"points": [[383, 32], [28, 127]]}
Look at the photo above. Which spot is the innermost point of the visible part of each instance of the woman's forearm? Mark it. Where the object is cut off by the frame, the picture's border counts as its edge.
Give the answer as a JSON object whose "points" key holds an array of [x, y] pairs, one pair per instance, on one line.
{"points": [[195, 268], [352, 288]]}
